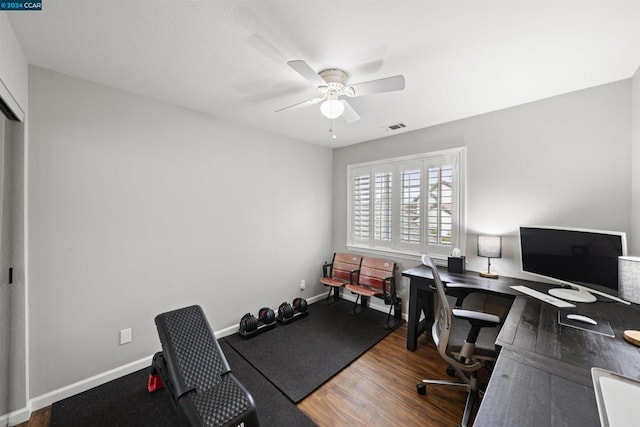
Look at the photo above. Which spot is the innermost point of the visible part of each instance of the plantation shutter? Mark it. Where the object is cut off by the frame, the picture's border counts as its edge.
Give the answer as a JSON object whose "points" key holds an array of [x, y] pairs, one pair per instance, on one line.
{"points": [[440, 206], [383, 208], [410, 227], [361, 207]]}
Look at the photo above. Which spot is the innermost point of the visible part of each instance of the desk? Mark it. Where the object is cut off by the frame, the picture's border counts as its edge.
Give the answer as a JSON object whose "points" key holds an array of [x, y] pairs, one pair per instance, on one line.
{"points": [[543, 374], [421, 291]]}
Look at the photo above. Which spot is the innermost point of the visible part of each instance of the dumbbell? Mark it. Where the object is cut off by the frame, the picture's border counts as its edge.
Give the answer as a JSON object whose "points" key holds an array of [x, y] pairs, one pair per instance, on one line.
{"points": [[300, 305], [248, 323], [266, 315], [285, 311]]}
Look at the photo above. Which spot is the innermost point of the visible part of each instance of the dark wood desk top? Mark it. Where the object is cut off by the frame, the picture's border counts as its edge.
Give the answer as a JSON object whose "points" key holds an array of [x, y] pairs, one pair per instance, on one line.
{"points": [[543, 373], [473, 280], [532, 326], [524, 395]]}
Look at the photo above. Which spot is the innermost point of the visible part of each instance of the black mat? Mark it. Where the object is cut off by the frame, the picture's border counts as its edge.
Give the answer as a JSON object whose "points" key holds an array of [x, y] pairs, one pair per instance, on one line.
{"points": [[122, 402], [301, 356], [126, 402], [274, 409]]}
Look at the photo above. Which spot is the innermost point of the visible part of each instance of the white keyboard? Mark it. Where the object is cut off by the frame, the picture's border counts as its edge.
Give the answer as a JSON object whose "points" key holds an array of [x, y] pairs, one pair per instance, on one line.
{"points": [[543, 297]]}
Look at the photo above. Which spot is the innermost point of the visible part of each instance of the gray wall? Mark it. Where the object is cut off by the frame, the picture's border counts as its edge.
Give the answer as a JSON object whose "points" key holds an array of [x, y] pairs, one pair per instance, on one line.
{"points": [[634, 240], [561, 161], [137, 207]]}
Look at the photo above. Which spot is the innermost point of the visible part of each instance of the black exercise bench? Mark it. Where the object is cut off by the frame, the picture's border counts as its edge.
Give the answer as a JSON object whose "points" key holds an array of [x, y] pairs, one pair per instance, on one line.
{"points": [[196, 374]]}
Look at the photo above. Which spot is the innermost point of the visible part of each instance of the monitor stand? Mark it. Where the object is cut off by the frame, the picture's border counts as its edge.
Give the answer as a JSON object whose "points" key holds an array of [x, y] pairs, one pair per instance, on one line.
{"points": [[574, 295]]}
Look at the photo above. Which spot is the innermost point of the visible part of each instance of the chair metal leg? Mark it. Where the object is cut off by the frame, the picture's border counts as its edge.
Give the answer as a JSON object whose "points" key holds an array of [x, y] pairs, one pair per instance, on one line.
{"points": [[335, 291], [451, 384], [472, 395], [389, 317], [468, 407], [355, 305]]}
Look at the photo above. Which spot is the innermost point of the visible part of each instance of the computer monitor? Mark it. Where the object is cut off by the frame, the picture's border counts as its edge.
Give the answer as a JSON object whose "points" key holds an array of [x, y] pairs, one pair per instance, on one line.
{"points": [[586, 260]]}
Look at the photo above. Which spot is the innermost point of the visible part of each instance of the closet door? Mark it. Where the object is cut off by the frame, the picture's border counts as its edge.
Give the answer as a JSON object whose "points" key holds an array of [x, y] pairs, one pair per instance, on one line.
{"points": [[12, 285], [5, 292]]}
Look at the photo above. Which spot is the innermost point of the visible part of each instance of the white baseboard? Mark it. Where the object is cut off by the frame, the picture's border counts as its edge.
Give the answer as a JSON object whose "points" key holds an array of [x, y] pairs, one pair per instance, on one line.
{"points": [[316, 298], [226, 331], [88, 383], [57, 395], [15, 417]]}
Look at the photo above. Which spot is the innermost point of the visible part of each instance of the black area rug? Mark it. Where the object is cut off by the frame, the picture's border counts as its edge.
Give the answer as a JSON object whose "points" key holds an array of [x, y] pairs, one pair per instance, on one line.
{"points": [[126, 402], [301, 356], [273, 408], [122, 402]]}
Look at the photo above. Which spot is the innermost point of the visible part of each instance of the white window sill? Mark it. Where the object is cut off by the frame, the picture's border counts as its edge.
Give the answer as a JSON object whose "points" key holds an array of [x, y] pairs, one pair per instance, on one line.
{"points": [[386, 252]]}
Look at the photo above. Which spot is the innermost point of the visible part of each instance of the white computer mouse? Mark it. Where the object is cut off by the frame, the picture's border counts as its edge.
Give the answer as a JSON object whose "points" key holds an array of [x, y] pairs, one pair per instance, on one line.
{"points": [[581, 318]]}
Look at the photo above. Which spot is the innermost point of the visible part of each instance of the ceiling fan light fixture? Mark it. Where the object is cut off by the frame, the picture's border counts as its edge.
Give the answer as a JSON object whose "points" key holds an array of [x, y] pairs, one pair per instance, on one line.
{"points": [[332, 108]]}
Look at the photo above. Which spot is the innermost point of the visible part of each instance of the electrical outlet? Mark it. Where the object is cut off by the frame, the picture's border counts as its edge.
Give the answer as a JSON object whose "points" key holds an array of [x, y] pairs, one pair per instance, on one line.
{"points": [[125, 336], [302, 284]]}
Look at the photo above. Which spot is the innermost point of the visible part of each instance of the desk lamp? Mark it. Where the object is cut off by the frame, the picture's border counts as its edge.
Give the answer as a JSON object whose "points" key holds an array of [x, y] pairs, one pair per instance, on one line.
{"points": [[489, 247]]}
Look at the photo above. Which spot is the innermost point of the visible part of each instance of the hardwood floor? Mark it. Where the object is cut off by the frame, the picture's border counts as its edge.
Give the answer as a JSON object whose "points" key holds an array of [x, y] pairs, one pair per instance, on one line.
{"points": [[378, 389]]}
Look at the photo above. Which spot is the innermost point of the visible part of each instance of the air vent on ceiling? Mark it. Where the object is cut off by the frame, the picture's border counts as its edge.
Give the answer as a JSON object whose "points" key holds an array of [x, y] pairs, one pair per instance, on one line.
{"points": [[397, 126]]}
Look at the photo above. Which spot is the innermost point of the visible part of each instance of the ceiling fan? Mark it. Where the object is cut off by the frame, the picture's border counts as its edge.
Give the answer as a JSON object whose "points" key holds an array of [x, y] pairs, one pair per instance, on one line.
{"points": [[332, 85]]}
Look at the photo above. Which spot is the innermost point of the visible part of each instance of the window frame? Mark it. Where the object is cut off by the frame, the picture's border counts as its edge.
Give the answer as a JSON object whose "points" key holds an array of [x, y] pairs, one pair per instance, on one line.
{"points": [[397, 165]]}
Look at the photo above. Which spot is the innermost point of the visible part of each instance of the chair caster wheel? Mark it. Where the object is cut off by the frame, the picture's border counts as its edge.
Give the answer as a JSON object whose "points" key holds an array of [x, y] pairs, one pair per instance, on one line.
{"points": [[451, 371], [421, 389]]}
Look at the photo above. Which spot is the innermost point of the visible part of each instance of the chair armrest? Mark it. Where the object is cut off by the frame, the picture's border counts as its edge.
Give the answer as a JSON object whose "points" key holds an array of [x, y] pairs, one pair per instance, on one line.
{"points": [[476, 318], [355, 273], [390, 296], [326, 269]]}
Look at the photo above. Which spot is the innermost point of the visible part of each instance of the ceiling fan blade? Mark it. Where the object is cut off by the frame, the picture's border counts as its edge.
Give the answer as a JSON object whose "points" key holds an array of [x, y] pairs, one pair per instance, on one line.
{"points": [[307, 72], [301, 104], [387, 84], [349, 115]]}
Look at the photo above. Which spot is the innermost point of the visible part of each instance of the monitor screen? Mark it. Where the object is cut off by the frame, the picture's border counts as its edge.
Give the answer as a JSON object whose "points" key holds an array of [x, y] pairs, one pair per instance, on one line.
{"points": [[583, 257]]}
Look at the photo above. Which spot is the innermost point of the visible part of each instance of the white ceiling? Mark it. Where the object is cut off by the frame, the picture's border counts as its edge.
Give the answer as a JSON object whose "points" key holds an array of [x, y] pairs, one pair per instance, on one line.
{"points": [[228, 58]]}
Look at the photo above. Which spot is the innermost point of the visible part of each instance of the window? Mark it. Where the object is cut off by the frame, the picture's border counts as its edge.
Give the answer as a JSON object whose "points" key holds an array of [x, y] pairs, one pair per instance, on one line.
{"points": [[409, 205]]}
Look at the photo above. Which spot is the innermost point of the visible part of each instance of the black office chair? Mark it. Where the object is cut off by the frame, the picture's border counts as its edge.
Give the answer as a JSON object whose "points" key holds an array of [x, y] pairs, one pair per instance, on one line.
{"points": [[466, 341]]}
